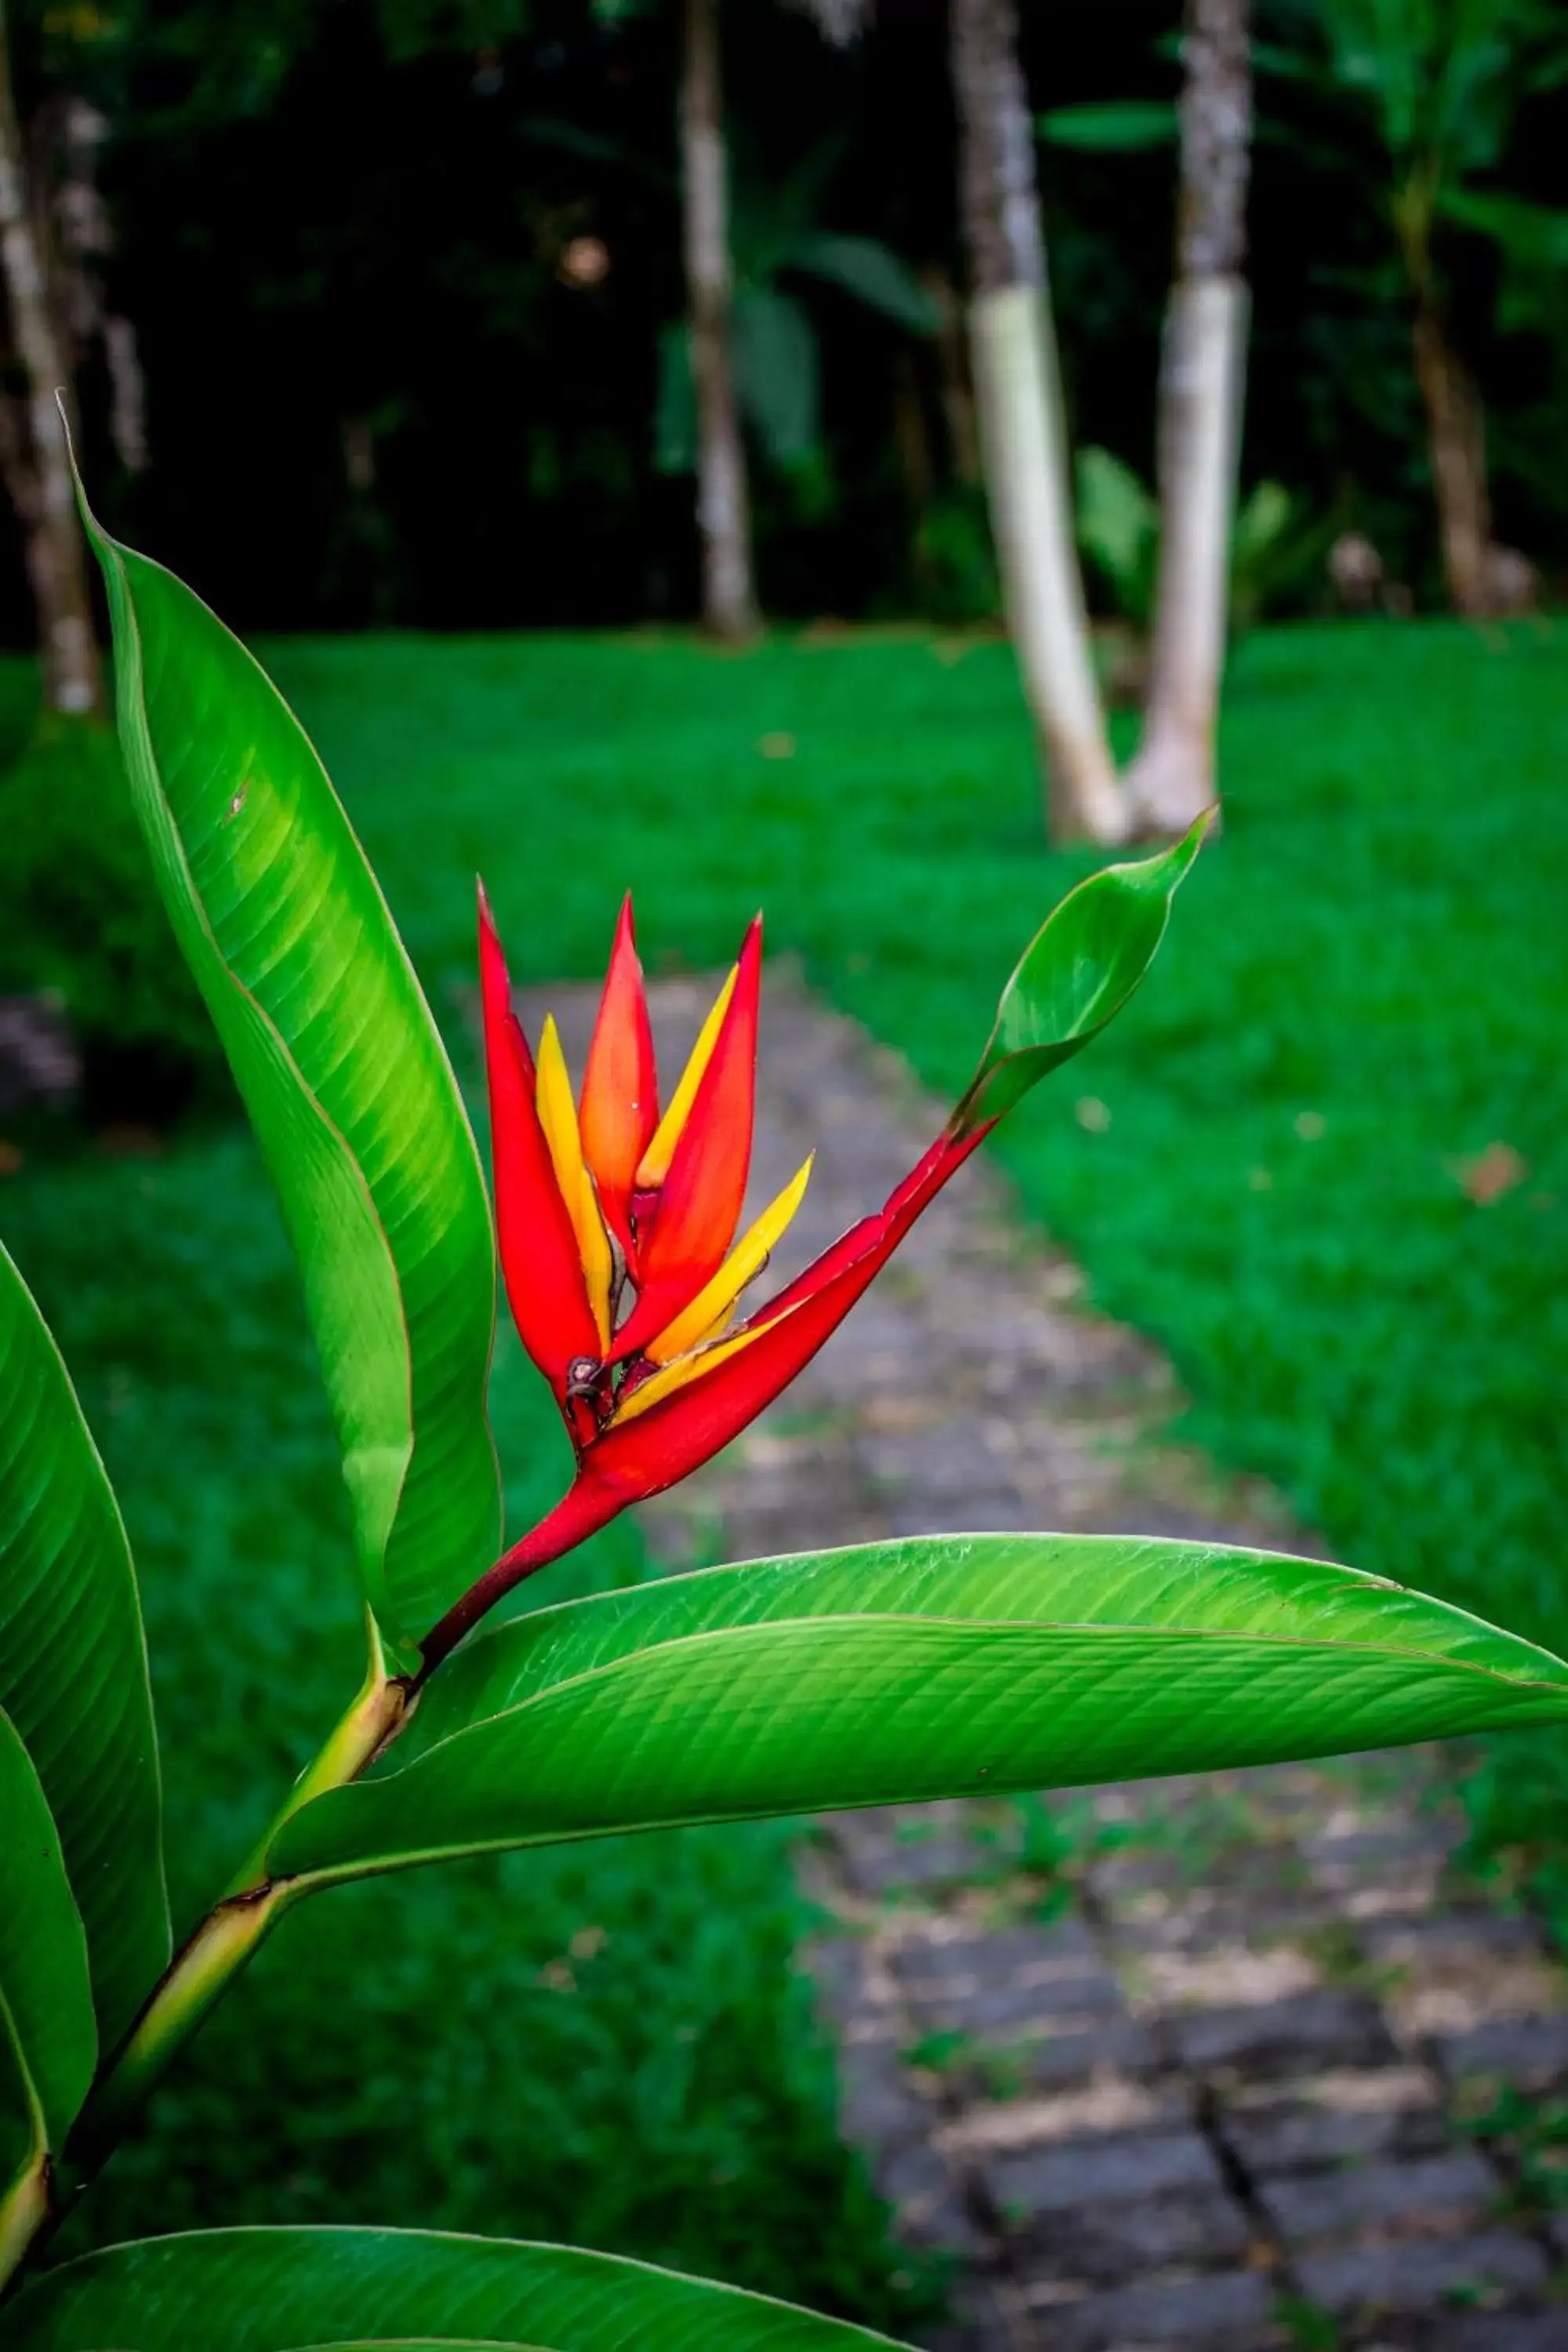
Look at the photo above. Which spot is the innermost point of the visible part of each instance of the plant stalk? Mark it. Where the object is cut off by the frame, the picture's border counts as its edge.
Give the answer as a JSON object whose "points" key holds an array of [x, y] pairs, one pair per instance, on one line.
{"points": [[380, 1710], [582, 1510], [24, 2211], [222, 1946], [201, 1973]]}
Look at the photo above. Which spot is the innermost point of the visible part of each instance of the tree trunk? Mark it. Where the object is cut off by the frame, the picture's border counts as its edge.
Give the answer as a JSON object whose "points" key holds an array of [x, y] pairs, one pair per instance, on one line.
{"points": [[1202, 370], [723, 515], [39, 476], [1457, 437], [1022, 435]]}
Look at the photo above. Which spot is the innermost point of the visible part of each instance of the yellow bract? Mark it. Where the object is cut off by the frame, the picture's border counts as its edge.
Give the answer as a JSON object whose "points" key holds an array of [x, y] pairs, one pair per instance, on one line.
{"points": [[654, 1165], [712, 1308], [670, 1377], [706, 1314], [558, 1117]]}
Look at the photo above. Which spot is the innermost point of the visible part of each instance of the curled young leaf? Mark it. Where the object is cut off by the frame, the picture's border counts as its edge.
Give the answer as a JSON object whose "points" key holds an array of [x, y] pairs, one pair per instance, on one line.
{"points": [[1076, 974]]}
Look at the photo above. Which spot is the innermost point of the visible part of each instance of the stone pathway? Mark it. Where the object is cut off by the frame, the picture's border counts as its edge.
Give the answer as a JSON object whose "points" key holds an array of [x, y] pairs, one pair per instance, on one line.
{"points": [[1228, 2063]]}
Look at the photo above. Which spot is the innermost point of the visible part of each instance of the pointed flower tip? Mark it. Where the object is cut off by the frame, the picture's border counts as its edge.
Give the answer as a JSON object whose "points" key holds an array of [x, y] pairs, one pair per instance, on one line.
{"points": [[489, 937]]}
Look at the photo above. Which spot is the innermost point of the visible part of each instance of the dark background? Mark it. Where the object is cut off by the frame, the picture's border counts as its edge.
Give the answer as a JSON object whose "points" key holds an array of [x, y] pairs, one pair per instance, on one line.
{"points": [[347, 222]]}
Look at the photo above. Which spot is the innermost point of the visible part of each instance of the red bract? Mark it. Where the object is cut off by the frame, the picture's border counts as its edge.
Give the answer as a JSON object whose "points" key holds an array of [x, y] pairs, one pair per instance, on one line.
{"points": [[615, 1231]]}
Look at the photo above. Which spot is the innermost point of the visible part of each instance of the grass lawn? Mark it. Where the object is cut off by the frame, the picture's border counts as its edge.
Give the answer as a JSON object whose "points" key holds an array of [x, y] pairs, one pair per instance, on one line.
{"points": [[1363, 992]]}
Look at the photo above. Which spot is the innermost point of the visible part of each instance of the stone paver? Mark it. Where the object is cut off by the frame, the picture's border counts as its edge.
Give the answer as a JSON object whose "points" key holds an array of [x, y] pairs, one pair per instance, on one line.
{"points": [[1171, 2063]]}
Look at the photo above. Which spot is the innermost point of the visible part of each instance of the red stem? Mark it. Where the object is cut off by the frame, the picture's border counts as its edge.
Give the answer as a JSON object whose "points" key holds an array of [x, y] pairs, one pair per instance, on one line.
{"points": [[582, 1511]]}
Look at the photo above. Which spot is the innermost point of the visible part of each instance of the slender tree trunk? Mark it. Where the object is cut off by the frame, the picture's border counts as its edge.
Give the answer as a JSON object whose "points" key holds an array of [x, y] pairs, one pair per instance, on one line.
{"points": [[1022, 434], [39, 476], [724, 510], [1202, 370], [1457, 437]]}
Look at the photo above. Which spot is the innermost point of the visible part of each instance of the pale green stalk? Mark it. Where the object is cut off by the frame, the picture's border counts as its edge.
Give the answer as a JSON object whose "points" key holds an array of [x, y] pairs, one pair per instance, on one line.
{"points": [[200, 1973]]}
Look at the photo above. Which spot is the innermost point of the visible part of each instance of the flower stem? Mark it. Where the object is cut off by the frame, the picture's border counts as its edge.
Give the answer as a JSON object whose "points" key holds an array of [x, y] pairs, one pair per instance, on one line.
{"points": [[200, 1973], [582, 1510], [23, 2210], [232, 1932]]}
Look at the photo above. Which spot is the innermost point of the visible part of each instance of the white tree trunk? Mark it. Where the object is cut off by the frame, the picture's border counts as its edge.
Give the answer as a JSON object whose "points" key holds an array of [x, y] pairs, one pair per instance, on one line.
{"points": [[39, 477], [1171, 780], [723, 509], [1023, 436], [1202, 374], [1023, 444]]}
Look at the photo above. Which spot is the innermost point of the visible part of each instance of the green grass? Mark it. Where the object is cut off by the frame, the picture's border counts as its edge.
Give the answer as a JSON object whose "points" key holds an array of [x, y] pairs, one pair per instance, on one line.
{"points": [[1364, 986], [603, 2044]]}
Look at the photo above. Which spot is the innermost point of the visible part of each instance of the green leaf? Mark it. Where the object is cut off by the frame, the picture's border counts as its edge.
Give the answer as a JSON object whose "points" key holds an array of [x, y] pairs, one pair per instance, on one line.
{"points": [[1528, 232], [776, 374], [873, 274], [269, 2289], [46, 2024], [1118, 526], [1126, 128], [943, 1666], [345, 1077], [73, 1662], [1077, 974], [1532, 241]]}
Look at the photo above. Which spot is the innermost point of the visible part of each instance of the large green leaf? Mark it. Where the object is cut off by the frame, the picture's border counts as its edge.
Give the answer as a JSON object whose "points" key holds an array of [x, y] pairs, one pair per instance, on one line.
{"points": [[344, 1073], [873, 274], [777, 371], [46, 2000], [73, 1664], [1077, 974], [941, 1665], [271, 2290]]}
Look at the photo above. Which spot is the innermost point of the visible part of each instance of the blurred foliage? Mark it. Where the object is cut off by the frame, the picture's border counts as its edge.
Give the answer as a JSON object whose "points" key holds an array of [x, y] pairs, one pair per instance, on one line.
{"points": [[776, 236], [80, 915], [1278, 550], [1448, 93], [1117, 522], [354, 244], [1277, 547], [956, 562]]}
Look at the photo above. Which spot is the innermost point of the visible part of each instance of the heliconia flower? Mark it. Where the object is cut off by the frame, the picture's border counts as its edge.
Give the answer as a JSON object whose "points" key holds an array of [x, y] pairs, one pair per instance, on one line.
{"points": [[617, 1225]]}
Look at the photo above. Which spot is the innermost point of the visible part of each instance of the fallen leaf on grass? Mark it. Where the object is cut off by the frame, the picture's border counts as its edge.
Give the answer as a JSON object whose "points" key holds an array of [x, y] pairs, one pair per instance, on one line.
{"points": [[1487, 1175]]}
